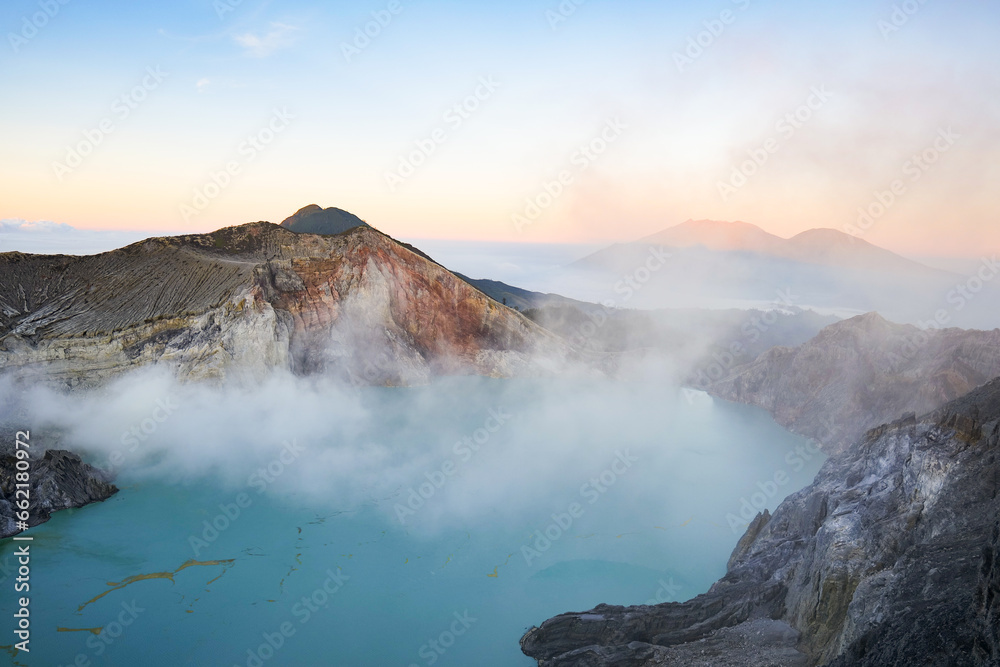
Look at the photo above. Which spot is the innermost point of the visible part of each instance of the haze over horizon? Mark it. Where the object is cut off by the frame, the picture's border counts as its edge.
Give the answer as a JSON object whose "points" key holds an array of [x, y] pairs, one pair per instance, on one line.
{"points": [[502, 100], [48, 237]]}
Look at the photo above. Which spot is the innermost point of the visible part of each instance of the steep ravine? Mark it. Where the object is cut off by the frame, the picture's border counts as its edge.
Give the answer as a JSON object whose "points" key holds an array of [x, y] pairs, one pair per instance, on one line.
{"points": [[888, 558]]}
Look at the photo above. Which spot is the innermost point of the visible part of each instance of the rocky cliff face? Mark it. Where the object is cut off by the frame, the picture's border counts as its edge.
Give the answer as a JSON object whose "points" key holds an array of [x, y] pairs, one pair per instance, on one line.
{"points": [[888, 558], [860, 373], [245, 300], [58, 480]]}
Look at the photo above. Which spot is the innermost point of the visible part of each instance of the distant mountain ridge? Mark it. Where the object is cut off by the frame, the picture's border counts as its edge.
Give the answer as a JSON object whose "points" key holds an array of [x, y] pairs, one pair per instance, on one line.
{"points": [[735, 264], [717, 235], [522, 299], [825, 246]]}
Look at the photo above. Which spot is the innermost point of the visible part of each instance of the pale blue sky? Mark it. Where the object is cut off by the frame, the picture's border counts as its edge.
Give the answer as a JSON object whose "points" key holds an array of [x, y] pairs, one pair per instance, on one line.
{"points": [[557, 87]]}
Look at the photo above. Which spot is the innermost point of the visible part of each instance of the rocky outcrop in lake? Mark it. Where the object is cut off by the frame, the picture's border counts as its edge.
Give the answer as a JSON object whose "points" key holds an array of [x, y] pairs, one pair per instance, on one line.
{"points": [[889, 558], [58, 480]]}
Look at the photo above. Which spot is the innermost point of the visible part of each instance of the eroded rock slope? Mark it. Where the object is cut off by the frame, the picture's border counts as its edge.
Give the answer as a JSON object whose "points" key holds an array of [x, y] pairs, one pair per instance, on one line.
{"points": [[862, 372], [245, 300], [889, 558]]}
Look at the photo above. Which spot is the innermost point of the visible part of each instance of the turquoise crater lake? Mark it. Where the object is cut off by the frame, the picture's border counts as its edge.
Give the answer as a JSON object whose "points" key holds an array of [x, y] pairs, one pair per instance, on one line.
{"points": [[419, 526]]}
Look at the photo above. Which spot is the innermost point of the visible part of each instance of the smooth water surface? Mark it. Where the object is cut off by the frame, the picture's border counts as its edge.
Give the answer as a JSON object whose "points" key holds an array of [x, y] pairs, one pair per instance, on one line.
{"points": [[429, 526]]}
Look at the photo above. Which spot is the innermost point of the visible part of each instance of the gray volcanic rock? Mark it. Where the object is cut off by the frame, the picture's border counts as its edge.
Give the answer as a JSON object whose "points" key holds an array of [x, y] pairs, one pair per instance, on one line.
{"points": [[757, 643], [58, 480], [888, 558], [985, 608], [313, 219], [860, 373], [244, 301]]}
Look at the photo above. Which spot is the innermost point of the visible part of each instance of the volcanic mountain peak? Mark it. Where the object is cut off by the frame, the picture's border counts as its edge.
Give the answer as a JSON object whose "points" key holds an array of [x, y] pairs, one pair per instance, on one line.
{"points": [[834, 247], [870, 323], [717, 235], [250, 299], [827, 235], [301, 213], [823, 246], [313, 219]]}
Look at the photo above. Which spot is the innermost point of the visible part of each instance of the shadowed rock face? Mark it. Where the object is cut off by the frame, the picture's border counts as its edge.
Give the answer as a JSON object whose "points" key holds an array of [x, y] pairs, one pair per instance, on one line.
{"points": [[985, 609], [860, 373], [888, 558], [245, 300], [313, 219], [58, 480]]}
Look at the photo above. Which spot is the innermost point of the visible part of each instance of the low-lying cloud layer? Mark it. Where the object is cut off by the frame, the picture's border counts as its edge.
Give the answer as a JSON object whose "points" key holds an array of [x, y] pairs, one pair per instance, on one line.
{"points": [[45, 237], [469, 446]]}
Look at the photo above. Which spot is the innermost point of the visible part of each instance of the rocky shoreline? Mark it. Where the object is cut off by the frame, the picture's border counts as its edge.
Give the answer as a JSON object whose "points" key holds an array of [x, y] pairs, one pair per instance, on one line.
{"points": [[58, 480], [889, 558]]}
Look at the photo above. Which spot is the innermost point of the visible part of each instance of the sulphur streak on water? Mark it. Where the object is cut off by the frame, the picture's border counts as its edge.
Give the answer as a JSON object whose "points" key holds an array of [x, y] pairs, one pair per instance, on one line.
{"points": [[495, 575], [93, 631], [114, 586], [13, 655]]}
